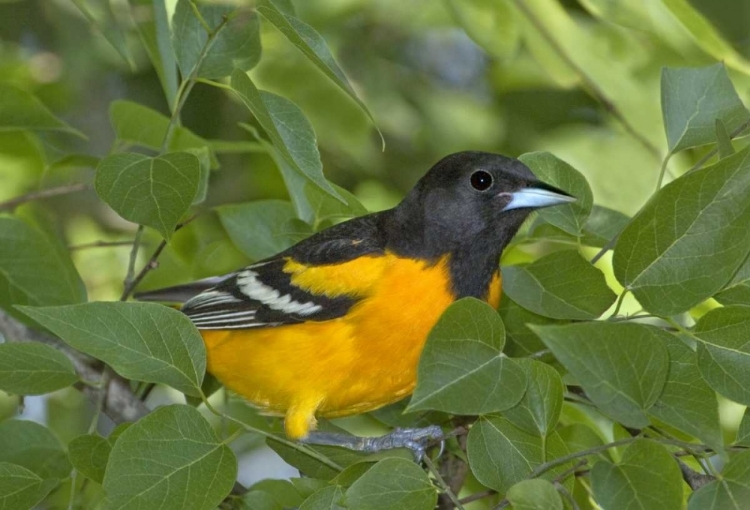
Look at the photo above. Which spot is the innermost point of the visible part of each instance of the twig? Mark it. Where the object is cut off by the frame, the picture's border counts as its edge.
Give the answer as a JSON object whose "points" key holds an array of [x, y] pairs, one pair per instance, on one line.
{"points": [[694, 479], [128, 282], [446, 489], [99, 244], [11, 204], [477, 496]]}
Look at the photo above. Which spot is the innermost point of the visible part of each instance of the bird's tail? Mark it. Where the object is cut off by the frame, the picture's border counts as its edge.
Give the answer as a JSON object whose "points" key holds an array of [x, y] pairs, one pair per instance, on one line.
{"points": [[179, 293]]}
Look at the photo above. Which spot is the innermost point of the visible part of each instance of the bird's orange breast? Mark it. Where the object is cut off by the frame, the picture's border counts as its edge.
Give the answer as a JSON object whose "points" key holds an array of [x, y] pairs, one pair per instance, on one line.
{"points": [[359, 362]]}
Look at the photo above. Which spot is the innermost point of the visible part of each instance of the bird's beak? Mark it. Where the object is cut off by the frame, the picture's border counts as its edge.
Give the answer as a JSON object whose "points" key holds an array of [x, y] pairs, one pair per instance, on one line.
{"points": [[537, 195]]}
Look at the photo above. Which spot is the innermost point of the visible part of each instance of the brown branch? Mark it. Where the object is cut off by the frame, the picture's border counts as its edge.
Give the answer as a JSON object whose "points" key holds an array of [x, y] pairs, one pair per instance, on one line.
{"points": [[694, 479], [121, 404], [11, 204]]}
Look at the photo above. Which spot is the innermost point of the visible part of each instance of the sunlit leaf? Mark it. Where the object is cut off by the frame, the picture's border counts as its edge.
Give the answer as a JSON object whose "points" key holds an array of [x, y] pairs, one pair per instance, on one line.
{"points": [[141, 341], [392, 484], [34, 369]]}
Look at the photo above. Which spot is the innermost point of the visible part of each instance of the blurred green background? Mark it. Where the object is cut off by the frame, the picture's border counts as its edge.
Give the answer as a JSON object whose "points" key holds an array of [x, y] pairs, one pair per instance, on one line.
{"points": [[576, 78]]}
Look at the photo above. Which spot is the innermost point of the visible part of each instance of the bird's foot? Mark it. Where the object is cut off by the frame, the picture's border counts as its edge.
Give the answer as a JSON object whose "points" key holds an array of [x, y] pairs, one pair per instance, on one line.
{"points": [[416, 440]]}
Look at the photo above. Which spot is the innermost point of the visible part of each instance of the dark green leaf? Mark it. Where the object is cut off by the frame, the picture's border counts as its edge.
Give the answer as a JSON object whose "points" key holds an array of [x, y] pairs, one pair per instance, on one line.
{"points": [[570, 218], [150, 191], [258, 228], [33, 271], [536, 494], [539, 409], [737, 291], [691, 101], [501, 454], [171, 459], [392, 484], [521, 341], [19, 110], [33, 447], [647, 478], [283, 492], [142, 341], [327, 498], [235, 45], [724, 351], [34, 369], [731, 492], [687, 402], [287, 127], [309, 42], [462, 369], [622, 367], [561, 285], [689, 240], [21, 489], [602, 225], [723, 140]]}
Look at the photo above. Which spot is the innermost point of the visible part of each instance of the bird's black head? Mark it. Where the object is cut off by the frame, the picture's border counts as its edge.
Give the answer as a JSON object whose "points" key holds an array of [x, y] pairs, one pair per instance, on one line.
{"points": [[469, 205]]}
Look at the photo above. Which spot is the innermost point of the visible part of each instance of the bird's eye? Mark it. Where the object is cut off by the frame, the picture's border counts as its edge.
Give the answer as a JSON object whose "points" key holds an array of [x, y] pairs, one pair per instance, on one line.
{"points": [[481, 180]]}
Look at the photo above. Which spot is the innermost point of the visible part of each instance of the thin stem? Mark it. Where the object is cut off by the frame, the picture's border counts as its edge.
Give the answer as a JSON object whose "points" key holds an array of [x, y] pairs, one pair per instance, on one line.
{"points": [[547, 466], [101, 401], [99, 244], [477, 496], [663, 171], [131, 263], [72, 497], [619, 303], [446, 489], [214, 83], [11, 204], [200, 17]]}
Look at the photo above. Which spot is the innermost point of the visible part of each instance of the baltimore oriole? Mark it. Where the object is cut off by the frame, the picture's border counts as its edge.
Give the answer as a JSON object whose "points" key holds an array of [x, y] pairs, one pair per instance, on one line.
{"points": [[335, 324]]}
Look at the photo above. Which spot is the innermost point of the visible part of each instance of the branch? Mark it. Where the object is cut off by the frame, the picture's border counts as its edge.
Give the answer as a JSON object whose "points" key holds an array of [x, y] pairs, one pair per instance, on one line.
{"points": [[11, 204], [121, 405], [694, 479]]}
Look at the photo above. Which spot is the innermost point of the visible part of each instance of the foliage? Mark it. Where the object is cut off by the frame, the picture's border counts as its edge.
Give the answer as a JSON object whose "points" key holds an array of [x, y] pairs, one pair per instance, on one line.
{"points": [[164, 141]]}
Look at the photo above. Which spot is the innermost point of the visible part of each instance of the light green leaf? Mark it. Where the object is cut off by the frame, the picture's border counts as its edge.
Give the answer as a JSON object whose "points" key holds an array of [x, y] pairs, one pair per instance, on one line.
{"points": [[392, 484], [561, 285], [171, 459], [327, 498], [743, 433], [724, 351], [34, 369], [236, 44], [103, 20], [150, 191], [692, 99], [492, 25], [258, 228], [536, 494], [287, 127], [550, 169], [33, 447], [622, 367], [501, 454], [731, 492], [539, 409], [687, 402], [723, 140], [579, 437], [21, 489], [689, 240], [647, 478], [142, 341], [324, 207], [21, 111], [34, 270], [462, 369], [140, 125], [309, 42]]}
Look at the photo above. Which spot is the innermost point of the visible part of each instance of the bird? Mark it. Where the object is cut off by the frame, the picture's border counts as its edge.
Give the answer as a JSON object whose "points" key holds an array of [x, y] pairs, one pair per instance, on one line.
{"points": [[335, 325]]}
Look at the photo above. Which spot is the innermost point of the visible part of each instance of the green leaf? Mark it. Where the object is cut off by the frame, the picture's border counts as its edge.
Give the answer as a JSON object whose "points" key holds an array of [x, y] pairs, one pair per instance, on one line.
{"points": [[259, 500], [622, 367], [602, 225], [309, 42], [282, 491], [287, 127], [103, 20], [89, 453], [153, 29], [258, 228], [687, 402], [647, 478], [150, 191], [737, 291], [536, 494], [236, 44], [142, 341], [723, 140], [743, 433], [731, 492], [140, 125], [20, 489], [34, 369], [19, 110], [492, 25], [692, 99], [33, 447], [33, 269], [392, 484], [561, 285], [550, 169], [539, 409], [724, 351], [462, 369], [325, 208], [327, 498], [171, 459], [521, 341], [689, 240], [501, 454]]}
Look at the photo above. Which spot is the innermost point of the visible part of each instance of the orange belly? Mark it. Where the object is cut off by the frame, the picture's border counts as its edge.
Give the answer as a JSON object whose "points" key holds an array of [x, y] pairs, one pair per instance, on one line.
{"points": [[349, 365]]}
